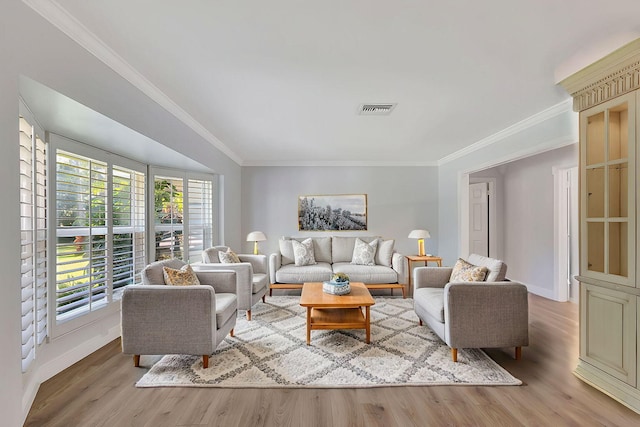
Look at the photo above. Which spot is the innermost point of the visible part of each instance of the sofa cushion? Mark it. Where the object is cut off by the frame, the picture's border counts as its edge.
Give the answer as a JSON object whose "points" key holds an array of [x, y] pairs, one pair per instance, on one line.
{"points": [[497, 268], [431, 300], [364, 253], [384, 252], [309, 273], [322, 249], [464, 271], [366, 273], [303, 253], [286, 250], [342, 247], [226, 305]]}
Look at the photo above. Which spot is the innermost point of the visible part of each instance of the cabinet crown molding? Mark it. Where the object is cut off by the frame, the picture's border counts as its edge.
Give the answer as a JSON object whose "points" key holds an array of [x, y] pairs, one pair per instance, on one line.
{"points": [[605, 79]]}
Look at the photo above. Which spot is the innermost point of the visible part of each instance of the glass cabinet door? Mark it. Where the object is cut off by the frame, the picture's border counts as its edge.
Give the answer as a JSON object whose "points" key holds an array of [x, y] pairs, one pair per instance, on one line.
{"points": [[607, 173]]}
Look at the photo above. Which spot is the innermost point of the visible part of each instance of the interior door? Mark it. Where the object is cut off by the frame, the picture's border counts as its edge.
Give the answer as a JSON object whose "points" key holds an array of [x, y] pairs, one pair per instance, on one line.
{"points": [[479, 218]]}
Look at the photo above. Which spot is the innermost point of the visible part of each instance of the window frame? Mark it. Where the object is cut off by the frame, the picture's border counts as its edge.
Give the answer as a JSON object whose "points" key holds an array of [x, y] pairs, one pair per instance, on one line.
{"points": [[79, 318], [158, 171]]}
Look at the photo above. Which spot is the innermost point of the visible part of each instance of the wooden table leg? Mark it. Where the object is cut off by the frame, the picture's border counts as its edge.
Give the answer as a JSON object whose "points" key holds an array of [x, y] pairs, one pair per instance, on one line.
{"points": [[368, 324], [308, 325]]}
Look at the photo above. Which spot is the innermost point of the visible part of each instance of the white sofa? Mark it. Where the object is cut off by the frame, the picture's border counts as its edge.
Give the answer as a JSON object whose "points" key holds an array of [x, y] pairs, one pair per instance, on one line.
{"points": [[333, 254]]}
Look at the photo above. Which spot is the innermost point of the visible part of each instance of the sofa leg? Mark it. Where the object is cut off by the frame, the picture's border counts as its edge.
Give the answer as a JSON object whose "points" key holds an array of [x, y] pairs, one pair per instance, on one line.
{"points": [[518, 353], [205, 361], [249, 315], [136, 360], [231, 332], [454, 354]]}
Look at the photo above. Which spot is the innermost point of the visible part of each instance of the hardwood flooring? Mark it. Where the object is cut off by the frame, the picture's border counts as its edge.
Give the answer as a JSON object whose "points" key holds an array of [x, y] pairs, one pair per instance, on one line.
{"points": [[99, 391]]}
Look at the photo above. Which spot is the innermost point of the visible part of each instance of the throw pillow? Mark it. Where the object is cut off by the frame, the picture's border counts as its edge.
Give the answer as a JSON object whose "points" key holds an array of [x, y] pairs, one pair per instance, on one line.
{"points": [[182, 277], [303, 252], [364, 253], [385, 252], [466, 272], [228, 257]]}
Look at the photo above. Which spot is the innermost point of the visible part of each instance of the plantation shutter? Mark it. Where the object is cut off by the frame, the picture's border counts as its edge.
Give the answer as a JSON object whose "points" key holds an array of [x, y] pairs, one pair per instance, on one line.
{"points": [[33, 247], [81, 231], [128, 189], [200, 219]]}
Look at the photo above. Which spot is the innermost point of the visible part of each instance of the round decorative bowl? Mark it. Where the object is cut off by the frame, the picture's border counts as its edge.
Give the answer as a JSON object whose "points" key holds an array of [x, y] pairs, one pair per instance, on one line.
{"points": [[336, 288]]}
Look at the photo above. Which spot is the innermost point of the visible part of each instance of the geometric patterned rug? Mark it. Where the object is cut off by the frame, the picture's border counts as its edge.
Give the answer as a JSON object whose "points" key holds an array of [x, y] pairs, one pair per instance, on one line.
{"points": [[271, 351]]}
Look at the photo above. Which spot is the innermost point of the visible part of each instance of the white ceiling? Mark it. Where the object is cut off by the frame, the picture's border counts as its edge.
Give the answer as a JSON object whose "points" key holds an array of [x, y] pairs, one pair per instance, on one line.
{"points": [[280, 81]]}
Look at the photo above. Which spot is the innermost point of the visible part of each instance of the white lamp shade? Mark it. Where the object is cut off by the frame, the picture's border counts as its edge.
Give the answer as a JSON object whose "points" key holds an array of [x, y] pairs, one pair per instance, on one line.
{"points": [[256, 236], [419, 234]]}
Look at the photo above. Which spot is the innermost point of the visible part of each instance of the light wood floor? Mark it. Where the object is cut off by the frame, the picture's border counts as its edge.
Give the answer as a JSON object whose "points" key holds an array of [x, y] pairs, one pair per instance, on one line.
{"points": [[99, 391]]}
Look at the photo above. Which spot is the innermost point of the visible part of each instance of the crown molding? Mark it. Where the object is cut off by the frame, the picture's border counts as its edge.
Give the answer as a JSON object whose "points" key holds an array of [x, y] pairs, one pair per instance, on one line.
{"points": [[542, 116], [59, 17], [607, 78], [347, 163]]}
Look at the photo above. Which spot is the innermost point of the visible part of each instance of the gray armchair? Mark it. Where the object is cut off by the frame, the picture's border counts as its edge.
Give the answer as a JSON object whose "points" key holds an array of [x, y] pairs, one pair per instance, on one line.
{"points": [[489, 314], [251, 274], [161, 319]]}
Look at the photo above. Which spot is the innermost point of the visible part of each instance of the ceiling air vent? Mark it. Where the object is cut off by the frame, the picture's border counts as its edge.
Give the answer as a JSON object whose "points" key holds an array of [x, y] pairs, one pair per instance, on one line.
{"points": [[376, 109]]}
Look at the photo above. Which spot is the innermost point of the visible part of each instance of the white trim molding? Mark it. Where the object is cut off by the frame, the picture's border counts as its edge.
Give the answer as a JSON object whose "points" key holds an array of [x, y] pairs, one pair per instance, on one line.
{"points": [[59, 17], [518, 127]]}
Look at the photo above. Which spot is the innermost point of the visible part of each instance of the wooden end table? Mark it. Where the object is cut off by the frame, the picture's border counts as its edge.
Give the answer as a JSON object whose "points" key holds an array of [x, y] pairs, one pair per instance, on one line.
{"points": [[326, 311], [420, 258]]}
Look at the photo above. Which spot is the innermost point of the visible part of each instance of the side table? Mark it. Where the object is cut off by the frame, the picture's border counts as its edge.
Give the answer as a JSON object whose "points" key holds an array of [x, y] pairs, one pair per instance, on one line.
{"points": [[420, 258]]}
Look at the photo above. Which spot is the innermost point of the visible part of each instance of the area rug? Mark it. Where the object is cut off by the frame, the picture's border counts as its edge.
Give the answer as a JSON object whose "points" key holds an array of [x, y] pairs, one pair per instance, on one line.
{"points": [[271, 351]]}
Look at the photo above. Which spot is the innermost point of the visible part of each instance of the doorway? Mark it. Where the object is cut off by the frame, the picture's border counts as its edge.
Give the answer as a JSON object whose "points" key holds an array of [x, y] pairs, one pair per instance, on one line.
{"points": [[482, 214], [566, 233]]}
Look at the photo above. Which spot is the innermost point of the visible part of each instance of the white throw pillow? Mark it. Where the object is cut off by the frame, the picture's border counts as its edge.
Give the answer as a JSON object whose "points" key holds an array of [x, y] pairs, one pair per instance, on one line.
{"points": [[303, 252], [364, 253], [385, 252], [228, 257]]}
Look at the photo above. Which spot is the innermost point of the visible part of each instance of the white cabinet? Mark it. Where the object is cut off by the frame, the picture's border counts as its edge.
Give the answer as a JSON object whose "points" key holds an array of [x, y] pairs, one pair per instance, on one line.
{"points": [[607, 95]]}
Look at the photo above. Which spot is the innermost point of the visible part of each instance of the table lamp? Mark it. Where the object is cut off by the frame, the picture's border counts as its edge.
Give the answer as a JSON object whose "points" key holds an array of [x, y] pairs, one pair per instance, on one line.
{"points": [[255, 237], [420, 235]]}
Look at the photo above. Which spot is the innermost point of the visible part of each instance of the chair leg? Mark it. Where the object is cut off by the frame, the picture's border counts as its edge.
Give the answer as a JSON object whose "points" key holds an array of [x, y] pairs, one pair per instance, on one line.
{"points": [[518, 353], [270, 292], [420, 322], [249, 315], [231, 332], [454, 354], [136, 360], [205, 361], [263, 297]]}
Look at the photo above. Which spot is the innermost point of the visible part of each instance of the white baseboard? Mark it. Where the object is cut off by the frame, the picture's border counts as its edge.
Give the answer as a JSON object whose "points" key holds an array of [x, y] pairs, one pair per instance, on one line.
{"points": [[543, 292]]}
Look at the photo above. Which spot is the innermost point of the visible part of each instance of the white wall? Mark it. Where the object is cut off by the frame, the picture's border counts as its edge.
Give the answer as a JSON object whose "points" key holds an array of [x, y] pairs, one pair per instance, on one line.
{"points": [[30, 46], [539, 134], [527, 216], [400, 199]]}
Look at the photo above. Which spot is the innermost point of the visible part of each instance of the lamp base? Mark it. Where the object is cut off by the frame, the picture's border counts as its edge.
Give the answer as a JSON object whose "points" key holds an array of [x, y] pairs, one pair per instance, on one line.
{"points": [[420, 247], [255, 248]]}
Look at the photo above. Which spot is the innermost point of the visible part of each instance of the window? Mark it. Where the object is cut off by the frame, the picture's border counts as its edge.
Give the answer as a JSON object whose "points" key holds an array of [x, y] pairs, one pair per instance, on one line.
{"points": [[33, 230], [173, 220], [100, 227]]}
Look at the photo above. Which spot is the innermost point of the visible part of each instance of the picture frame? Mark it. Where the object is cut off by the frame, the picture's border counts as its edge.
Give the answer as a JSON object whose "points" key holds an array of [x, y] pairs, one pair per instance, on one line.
{"points": [[332, 212]]}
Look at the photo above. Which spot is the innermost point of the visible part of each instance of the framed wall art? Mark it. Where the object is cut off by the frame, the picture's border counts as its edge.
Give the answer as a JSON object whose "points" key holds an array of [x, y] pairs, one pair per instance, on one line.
{"points": [[333, 212]]}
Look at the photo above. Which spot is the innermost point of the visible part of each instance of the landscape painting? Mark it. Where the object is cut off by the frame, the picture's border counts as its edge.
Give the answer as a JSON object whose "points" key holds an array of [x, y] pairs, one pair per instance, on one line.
{"points": [[338, 212]]}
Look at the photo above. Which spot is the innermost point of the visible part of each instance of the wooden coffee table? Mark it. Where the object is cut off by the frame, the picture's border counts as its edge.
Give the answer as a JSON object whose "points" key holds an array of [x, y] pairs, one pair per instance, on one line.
{"points": [[326, 311]]}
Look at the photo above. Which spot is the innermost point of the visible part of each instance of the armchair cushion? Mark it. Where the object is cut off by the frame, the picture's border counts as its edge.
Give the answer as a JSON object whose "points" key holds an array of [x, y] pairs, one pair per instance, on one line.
{"points": [[226, 305], [432, 301], [497, 268], [180, 277], [464, 271], [228, 257]]}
